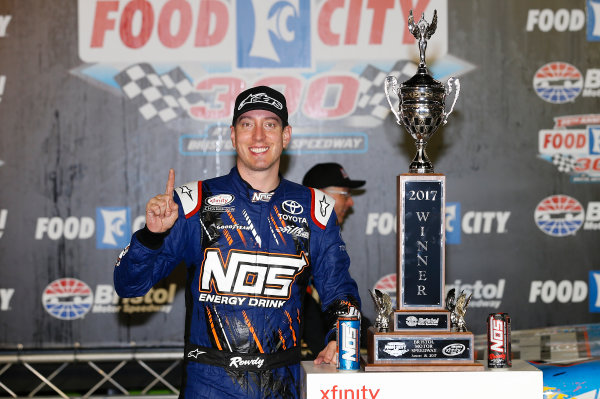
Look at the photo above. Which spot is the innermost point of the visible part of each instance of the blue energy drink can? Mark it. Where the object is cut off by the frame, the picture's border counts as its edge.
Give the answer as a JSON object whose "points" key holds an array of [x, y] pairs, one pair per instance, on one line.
{"points": [[348, 340]]}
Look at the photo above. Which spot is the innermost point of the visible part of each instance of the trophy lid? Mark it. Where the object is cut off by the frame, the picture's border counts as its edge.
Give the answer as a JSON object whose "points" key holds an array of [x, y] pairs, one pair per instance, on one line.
{"points": [[423, 79]]}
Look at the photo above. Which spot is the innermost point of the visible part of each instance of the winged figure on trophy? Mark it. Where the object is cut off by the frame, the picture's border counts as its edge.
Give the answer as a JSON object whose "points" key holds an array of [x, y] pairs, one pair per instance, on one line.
{"points": [[422, 31], [383, 308], [458, 309]]}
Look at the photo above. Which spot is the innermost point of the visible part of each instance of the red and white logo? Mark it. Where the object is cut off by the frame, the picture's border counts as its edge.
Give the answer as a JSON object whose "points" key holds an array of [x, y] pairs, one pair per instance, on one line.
{"points": [[220, 199]]}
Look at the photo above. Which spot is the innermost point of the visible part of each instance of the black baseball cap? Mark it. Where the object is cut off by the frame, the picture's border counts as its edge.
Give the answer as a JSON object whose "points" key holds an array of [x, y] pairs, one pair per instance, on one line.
{"points": [[329, 174], [261, 97]]}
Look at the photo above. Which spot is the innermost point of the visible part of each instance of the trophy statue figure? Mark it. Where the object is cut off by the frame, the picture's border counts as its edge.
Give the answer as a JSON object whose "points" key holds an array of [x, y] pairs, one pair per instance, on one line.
{"points": [[458, 309], [383, 308], [422, 98]]}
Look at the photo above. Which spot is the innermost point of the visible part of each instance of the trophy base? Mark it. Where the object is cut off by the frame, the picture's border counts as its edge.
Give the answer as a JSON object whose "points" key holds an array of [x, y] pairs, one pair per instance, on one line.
{"points": [[369, 367], [413, 351], [420, 167]]}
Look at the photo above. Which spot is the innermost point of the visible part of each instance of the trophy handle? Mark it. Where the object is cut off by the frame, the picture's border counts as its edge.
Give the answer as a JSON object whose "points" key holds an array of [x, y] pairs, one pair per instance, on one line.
{"points": [[391, 81], [456, 93]]}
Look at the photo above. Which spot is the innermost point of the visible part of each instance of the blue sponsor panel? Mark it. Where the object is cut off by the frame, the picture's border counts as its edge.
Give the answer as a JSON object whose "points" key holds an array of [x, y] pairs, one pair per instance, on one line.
{"points": [[593, 20], [113, 227], [594, 291], [273, 34], [453, 218], [571, 380]]}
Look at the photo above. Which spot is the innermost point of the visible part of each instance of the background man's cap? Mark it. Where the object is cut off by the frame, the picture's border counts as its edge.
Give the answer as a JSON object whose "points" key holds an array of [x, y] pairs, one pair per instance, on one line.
{"points": [[329, 174], [261, 97]]}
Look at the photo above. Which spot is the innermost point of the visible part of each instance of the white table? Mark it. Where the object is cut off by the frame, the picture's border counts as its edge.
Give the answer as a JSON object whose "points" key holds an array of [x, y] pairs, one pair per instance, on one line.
{"points": [[522, 381]]}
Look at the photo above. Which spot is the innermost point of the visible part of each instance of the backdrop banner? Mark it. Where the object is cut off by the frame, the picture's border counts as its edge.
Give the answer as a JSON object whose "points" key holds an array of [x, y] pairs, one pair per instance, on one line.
{"points": [[99, 98]]}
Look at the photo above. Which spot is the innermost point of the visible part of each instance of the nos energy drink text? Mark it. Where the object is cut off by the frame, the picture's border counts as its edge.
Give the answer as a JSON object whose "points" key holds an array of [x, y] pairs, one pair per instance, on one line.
{"points": [[348, 334], [498, 333]]}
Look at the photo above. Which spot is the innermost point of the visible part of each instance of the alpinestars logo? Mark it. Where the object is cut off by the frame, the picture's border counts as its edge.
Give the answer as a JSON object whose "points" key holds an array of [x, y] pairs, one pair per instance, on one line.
{"points": [[269, 275], [323, 206], [195, 353], [260, 98]]}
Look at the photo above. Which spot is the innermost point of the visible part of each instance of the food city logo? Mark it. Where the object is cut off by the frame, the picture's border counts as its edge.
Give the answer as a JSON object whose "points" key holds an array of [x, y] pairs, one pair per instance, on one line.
{"points": [[263, 279], [564, 291], [488, 295], [564, 20], [473, 222], [292, 47], [112, 226], [562, 216], [6, 295], [573, 146], [560, 82], [70, 299]]}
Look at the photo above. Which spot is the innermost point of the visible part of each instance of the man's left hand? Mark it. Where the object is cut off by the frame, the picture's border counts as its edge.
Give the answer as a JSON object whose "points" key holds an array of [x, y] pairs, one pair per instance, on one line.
{"points": [[327, 355]]}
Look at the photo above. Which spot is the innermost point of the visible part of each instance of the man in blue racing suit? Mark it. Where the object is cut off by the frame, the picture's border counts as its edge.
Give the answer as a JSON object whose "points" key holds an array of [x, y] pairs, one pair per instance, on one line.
{"points": [[250, 241]]}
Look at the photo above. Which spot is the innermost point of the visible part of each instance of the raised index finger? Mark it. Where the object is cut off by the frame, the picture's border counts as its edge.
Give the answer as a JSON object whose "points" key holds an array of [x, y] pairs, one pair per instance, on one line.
{"points": [[170, 182]]}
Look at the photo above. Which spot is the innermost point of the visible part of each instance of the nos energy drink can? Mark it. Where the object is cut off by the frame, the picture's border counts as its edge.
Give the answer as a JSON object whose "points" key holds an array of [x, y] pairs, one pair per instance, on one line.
{"points": [[348, 340], [498, 334]]}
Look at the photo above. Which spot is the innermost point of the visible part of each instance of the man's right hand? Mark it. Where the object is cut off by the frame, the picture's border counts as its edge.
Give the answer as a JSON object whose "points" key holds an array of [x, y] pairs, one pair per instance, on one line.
{"points": [[162, 211]]}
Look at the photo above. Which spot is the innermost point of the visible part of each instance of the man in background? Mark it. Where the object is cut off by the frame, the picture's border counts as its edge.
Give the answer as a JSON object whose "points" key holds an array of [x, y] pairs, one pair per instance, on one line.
{"points": [[332, 179]]}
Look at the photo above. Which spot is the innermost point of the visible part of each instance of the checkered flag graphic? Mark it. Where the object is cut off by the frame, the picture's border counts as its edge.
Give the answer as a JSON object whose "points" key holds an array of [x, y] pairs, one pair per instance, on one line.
{"points": [[166, 96], [372, 99], [564, 163]]}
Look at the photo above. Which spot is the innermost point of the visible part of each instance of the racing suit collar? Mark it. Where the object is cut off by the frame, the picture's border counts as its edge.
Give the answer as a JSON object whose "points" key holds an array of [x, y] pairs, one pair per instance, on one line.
{"points": [[244, 187]]}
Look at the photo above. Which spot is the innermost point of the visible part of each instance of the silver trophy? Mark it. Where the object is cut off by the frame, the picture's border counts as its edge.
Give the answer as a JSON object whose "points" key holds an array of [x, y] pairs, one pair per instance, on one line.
{"points": [[383, 308], [422, 106]]}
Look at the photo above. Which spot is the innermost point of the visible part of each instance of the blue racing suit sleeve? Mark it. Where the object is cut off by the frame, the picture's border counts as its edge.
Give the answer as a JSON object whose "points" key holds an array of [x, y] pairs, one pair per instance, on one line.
{"points": [[337, 290], [149, 257]]}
